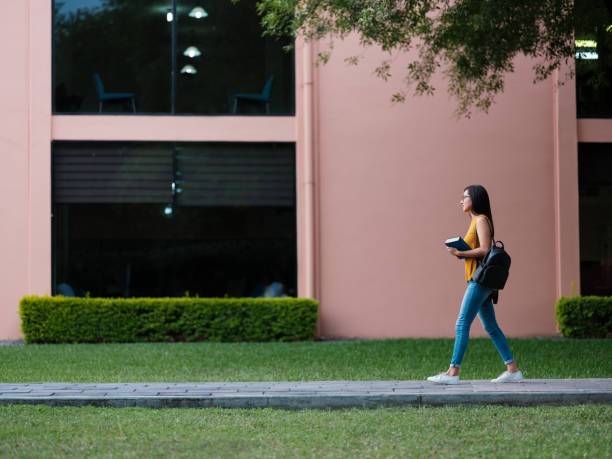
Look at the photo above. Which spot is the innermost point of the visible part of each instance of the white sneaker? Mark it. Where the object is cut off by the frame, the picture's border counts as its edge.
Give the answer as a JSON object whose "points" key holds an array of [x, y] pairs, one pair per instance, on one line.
{"points": [[505, 377], [443, 378]]}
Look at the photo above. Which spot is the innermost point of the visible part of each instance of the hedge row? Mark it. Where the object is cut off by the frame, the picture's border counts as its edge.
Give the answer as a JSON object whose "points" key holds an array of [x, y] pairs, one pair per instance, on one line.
{"points": [[46, 319], [585, 316]]}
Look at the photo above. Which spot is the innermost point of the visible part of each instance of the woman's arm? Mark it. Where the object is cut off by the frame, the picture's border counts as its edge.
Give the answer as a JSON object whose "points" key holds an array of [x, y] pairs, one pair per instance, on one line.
{"points": [[484, 235], [474, 253]]}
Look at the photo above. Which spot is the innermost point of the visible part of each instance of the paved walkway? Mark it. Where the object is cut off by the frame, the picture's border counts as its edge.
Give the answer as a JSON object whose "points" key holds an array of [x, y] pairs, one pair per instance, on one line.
{"points": [[311, 394]]}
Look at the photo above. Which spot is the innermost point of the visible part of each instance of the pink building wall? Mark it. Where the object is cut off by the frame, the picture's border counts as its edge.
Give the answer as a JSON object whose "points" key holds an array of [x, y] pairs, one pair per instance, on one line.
{"points": [[25, 181], [378, 185], [390, 179]]}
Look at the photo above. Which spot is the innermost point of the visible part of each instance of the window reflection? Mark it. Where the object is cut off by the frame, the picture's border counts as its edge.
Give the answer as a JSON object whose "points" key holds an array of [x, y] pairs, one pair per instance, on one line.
{"points": [[118, 56], [111, 56], [595, 182], [232, 69], [163, 219], [593, 59]]}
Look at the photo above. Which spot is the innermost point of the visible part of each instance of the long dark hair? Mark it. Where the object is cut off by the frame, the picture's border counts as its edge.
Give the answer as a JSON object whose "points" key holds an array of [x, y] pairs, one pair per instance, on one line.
{"points": [[480, 203]]}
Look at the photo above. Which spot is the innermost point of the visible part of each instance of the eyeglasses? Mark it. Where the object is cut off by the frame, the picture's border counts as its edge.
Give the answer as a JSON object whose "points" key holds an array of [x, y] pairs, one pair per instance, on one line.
{"points": [[466, 196]]}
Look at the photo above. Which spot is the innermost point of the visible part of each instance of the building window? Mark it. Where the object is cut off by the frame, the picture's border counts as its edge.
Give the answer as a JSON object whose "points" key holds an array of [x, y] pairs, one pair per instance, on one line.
{"points": [[168, 57], [163, 219], [593, 59], [595, 184]]}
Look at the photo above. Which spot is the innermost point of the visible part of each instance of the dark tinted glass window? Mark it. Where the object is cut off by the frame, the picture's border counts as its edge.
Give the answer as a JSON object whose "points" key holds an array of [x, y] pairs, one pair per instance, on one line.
{"points": [[225, 66], [163, 219], [594, 59], [595, 179], [127, 44], [168, 56]]}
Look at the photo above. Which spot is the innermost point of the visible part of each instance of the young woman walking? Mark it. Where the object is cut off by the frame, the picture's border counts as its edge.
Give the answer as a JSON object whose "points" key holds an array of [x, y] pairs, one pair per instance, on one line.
{"points": [[477, 298]]}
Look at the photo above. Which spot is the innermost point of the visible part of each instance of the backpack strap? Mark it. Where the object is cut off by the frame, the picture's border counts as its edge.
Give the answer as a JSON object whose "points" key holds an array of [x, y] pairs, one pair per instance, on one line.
{"points": [[490, 229], [479, 260], [494, 297]]}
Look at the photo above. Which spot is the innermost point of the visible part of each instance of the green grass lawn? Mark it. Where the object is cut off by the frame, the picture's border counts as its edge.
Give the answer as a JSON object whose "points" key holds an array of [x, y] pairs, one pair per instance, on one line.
{"points": [[344, 360], [485, 431], [488, 431]]}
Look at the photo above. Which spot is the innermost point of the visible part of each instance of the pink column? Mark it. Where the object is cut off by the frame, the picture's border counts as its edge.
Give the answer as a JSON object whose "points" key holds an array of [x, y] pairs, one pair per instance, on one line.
{"points": [[25, 180], [14, 162], [565, 169], [306, 182], [39, 182]]}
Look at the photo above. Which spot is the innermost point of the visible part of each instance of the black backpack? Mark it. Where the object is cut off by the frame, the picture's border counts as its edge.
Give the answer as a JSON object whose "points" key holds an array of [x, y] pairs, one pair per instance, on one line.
{"points": [[494, 269]]}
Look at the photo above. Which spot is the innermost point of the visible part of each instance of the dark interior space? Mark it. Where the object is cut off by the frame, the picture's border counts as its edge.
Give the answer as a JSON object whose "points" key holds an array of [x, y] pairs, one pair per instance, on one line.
{"points": [[166, 219]]}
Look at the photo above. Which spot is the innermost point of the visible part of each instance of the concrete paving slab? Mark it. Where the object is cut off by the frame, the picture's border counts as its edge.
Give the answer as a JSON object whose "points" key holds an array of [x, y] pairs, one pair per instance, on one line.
{"points": [[309, 394]]}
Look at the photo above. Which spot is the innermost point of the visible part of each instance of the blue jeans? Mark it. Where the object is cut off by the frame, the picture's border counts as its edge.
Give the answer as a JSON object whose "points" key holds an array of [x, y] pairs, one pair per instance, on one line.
{"points": [[477, 301]]}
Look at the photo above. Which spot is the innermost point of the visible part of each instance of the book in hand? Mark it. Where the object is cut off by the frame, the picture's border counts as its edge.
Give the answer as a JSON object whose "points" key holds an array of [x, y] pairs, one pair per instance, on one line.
{"points": [[458, 243]]}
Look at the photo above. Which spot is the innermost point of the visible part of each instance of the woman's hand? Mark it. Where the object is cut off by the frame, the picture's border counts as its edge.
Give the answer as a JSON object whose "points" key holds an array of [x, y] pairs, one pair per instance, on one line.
{"points": [[453, 251]]}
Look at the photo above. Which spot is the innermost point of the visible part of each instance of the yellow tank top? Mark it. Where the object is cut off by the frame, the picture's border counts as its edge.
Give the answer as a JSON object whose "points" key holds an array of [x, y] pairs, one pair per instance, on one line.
{"points": [[472, 240]]}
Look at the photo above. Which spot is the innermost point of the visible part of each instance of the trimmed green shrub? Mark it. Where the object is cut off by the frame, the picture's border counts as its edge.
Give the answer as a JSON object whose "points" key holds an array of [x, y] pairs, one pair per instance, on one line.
{"points": [[58, 319], [584, 316]]}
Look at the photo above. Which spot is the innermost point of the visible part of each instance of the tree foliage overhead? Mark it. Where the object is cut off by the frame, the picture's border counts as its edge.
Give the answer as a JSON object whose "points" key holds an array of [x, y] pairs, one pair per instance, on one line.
{"points": [[472, 42]]}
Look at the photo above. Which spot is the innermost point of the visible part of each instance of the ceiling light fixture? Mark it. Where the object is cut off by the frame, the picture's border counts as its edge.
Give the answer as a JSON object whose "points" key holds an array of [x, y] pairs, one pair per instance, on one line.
{"points": [[587, 55], [192, 51], [189, 69], [586, 44], [198, 12]]}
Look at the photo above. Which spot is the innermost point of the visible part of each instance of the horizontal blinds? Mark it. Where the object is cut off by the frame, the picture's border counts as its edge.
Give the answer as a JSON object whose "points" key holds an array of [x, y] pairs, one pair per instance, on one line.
{"points": [[236, 176], [111, 174], [209, 175]]}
